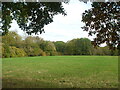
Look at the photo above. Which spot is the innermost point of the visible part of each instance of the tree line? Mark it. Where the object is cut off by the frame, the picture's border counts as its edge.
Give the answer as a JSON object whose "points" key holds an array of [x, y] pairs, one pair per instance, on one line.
{"points": [[13, 45], [32, 17]]}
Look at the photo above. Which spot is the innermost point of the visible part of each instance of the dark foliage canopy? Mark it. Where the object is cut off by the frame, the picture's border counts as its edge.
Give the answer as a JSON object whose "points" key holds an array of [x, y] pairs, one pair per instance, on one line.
{"points": [[103, 20], [30, 16]]}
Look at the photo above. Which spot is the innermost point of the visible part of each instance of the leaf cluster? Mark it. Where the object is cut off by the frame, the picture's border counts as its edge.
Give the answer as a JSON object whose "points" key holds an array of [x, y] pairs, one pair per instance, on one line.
{"points": [[103, 20], [30, 16]]}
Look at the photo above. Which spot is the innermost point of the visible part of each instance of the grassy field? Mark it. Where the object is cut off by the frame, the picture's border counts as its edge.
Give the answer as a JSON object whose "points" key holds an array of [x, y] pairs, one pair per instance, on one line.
{"points": [[61, 72]]}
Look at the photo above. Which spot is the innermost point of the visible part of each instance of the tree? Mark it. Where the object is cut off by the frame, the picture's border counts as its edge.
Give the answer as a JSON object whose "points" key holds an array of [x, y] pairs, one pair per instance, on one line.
{"points": [[12, 39], [49, 48], [31, 17], [34, 39], [60, 46], [31, 47], [106, 50], [85, 46], [78, 46], [103, 20], [70, 47]]}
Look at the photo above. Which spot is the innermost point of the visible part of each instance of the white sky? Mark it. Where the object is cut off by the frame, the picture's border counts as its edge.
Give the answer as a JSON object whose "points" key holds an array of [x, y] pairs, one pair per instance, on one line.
{"points": [[64, 28]]}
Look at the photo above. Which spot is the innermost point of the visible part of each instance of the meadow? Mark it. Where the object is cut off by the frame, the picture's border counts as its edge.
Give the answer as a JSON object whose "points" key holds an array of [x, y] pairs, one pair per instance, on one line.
{"points": [[60, 72]]}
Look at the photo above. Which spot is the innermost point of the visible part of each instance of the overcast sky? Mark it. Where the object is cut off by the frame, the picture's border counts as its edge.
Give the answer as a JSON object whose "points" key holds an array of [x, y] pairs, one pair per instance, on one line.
{"points": [[64, 28]]}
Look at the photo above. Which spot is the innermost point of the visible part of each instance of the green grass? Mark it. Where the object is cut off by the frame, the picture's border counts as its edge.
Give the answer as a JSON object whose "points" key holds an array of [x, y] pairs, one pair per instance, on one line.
{"points": [[61, 72]]}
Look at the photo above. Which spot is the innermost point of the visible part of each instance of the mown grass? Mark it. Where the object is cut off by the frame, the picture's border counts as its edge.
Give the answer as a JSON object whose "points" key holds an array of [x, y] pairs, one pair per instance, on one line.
{"points": [[61, 72]]}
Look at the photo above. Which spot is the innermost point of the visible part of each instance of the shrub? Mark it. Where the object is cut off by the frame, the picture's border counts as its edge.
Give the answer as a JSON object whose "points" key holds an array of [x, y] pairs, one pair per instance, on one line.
{"points": [[17, 52], [43, 54], [5, 51]]}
